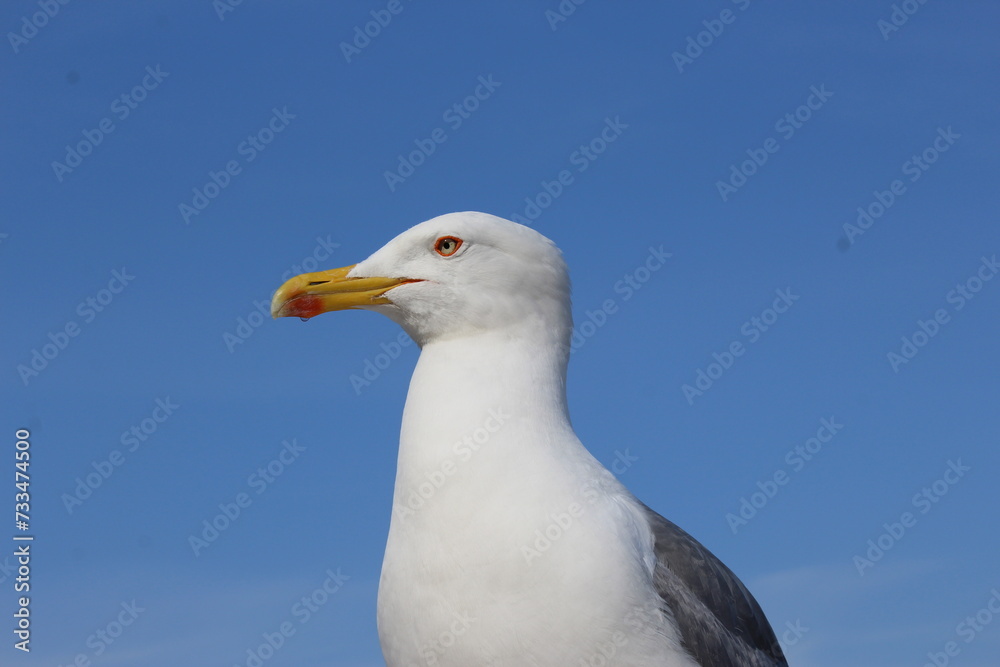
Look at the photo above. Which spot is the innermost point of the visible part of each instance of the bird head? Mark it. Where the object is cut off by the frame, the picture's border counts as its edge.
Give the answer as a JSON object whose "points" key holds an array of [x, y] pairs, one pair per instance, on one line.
{"points": [[455, 275]]}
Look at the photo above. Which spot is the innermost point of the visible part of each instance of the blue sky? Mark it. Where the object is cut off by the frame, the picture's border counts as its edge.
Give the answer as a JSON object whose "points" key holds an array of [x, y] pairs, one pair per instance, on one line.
{"points": [[167, 163]]}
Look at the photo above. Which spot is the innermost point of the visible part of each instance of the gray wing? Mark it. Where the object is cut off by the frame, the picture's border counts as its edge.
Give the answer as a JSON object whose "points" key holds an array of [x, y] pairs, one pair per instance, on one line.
{"points": [[720, 623]]}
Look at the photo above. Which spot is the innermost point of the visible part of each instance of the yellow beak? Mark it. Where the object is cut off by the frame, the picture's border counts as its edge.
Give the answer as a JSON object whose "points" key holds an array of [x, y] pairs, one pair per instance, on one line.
{"points": [[311, 294]]}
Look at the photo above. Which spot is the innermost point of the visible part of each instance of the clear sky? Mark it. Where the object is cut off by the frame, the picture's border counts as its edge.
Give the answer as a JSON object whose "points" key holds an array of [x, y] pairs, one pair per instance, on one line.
{"points": [[797, 378]]}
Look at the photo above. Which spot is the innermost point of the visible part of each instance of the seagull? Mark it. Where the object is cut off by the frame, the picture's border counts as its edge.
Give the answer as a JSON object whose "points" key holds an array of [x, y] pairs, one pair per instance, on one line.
{"points": [[509, 544]]}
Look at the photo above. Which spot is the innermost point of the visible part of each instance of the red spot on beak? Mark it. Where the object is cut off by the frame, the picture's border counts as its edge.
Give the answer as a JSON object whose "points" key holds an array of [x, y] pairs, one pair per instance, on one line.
{"points": [[304, 306]]}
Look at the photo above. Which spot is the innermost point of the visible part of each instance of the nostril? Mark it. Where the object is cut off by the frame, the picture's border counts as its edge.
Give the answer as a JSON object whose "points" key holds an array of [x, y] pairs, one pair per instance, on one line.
{"points": [[318, 282]]}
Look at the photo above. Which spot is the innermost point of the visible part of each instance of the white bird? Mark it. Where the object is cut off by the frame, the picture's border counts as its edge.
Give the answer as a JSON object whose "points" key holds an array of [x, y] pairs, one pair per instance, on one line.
{"points": [[509, 543]]}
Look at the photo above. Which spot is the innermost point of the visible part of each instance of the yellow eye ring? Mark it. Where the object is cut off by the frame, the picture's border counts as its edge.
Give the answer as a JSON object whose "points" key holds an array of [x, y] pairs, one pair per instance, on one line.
{"points": [[446, 246]]}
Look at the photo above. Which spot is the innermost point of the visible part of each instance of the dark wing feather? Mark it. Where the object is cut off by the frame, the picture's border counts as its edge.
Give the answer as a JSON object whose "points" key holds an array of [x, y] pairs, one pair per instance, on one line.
{"points": [[720, 623]]}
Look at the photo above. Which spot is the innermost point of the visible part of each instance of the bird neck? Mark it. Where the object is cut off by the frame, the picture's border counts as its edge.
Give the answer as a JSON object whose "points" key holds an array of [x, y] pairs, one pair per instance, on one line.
{"points": [[470, 375], [489, 391]]}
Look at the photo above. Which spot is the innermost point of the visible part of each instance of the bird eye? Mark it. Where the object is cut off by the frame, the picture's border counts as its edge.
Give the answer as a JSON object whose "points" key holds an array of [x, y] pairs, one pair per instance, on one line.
{"points": [[446, 246]]}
